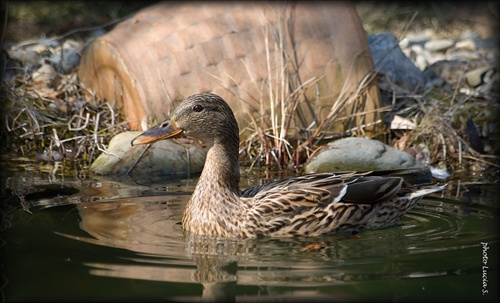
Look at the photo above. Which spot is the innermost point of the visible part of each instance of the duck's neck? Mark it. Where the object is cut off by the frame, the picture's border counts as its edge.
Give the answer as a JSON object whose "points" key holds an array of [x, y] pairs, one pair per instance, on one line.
{"points": [[221, 169], [216, 199]]}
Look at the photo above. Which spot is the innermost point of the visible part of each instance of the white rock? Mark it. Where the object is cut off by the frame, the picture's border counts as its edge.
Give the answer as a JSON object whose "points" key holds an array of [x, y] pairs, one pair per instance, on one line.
{"points": [[46, 75], [438, 45], [467, 44], [475, 76]]}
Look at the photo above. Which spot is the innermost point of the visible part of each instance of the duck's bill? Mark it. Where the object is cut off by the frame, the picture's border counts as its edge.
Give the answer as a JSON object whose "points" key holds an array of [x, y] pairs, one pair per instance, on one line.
{"points": [[157, 133]]}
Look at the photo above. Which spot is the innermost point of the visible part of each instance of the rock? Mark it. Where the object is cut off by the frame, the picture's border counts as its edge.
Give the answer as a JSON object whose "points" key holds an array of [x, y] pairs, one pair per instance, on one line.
{"points": [[473, 136], [70, 62], [46, 75], [393, 63], [466, 44], [438, 45], [359, 154], [399, 122], [161, 158], [421, 62], [26, 57], [475, 76], [460, 54], [489, 43], [67, 57], [433, 58], [413, 39]]}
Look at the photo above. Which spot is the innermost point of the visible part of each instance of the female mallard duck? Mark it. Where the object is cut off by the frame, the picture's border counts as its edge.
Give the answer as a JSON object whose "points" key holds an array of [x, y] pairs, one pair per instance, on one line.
{"points": [[308, 205]]}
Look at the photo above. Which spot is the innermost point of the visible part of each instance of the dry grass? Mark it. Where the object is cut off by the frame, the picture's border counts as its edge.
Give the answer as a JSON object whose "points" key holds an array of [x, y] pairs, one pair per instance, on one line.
{"points": [[280, 135], [441, 138], [66, 123]]}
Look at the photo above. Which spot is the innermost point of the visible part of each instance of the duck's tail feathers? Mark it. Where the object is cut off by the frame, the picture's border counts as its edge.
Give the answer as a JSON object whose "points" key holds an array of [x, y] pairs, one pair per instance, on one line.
{"points": [[426, 190]]}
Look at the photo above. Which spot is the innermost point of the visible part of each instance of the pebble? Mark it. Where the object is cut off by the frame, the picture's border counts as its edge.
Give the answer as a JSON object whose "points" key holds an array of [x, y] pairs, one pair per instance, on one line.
{"points": [[475, 76], [438, 45], [26, 57], [66, 57], [468, 56], [46, 75], [467, 44], [63, 57]]}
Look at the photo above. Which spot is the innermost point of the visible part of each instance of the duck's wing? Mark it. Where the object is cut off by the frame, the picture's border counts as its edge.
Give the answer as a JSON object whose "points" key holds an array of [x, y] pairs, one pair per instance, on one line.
{"points": [[291, 197], [296, 194], [373, 189], [289, 205], [309, 180], [362, 187]]}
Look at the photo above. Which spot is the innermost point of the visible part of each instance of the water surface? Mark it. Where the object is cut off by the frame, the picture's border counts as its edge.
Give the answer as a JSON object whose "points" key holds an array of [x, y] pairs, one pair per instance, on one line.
{"points": [[71, 237]]}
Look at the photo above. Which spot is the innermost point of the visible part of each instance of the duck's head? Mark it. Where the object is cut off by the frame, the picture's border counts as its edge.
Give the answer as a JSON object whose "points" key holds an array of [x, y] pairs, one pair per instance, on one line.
{"points": [[206, 117]]}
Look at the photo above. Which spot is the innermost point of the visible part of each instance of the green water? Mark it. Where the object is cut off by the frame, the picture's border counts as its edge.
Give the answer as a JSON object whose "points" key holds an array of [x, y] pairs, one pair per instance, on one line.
{"points": [[71, 238]]}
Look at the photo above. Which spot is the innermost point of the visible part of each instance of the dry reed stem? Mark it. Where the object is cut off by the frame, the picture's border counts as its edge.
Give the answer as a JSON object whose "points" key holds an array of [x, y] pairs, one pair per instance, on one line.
{"points": [[67, 120], [87, 124], [276, 137]]}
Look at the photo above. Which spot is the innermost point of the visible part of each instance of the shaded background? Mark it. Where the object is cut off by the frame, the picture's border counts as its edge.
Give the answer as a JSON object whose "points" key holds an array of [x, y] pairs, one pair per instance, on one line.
{"points": [[35, 19]]}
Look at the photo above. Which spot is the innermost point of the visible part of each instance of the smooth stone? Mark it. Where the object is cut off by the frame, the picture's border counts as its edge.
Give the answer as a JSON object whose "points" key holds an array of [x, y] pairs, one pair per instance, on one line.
{"points": [[70, 62], [431, 59], [359, 154], [421, 62], [475, 76], [467, 44], [413, 39], [438, 45], [26, 57], [462, 55], [46, 75], [161, 158], [67, 57]]}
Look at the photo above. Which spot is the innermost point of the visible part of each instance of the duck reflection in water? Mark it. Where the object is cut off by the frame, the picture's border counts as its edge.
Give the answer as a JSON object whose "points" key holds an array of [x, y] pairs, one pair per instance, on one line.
{"points": [[149, 228]]}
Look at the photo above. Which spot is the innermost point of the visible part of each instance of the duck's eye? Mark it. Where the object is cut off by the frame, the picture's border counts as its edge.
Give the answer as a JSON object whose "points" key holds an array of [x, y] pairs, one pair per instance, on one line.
{"points": [[198, 108]]}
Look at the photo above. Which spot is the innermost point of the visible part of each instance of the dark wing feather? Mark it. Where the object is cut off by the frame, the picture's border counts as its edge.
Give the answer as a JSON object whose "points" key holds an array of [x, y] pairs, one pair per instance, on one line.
{"points": [[372, 190], [297, 194], [318, 179]]}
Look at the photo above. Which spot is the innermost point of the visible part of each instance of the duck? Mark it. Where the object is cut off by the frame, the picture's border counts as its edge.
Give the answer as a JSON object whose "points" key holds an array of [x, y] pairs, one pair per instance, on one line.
{"points": [[309, 205]]}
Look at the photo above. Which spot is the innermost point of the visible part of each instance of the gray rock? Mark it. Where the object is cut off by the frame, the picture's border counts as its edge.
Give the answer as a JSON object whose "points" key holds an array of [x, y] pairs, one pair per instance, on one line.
{"points": [[67, 57], [70, 62], [390, 60], [161, 158], [488, 43], [359, 154]]}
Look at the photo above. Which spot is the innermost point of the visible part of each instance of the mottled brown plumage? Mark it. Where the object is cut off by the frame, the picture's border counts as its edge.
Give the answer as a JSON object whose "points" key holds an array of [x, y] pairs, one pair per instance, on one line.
{"points": [[308, 205]]}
